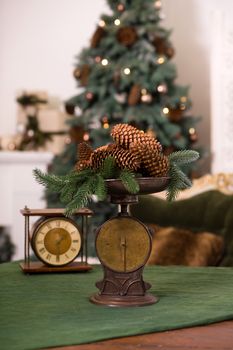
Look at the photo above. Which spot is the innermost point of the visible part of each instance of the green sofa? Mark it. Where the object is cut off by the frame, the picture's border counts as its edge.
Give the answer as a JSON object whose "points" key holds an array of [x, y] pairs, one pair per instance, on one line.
{"points": [[209, 211]]}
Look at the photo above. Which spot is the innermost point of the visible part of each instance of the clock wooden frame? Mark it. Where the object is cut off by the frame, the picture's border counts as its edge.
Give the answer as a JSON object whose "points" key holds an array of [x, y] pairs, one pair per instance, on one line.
{"points": [[29, 266]]}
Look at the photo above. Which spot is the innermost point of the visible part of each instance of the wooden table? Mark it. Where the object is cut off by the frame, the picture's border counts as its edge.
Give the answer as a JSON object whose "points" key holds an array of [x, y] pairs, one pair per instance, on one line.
{"points": [[217, 336]]}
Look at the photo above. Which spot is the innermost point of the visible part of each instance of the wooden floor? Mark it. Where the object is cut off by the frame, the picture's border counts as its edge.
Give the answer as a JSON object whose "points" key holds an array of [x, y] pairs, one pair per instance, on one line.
{"points": [[218, 336]]}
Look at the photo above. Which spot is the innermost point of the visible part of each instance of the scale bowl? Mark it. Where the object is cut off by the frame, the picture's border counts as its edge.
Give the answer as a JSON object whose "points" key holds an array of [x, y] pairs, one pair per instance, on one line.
{"points": [[147, 185]]}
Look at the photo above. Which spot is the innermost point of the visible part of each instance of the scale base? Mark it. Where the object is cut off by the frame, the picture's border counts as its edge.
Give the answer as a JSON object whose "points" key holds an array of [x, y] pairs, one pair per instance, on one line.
{"points": [[124, 301], [38, 267]]}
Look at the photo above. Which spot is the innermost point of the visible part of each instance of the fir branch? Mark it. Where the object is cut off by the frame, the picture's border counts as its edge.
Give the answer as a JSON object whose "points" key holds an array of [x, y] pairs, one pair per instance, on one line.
{"points": [[100, 188], [51, 182], [129, 181], [67, 193], [78, 175], [81, 197], [183, 157], [178, 181], [109, 168]]}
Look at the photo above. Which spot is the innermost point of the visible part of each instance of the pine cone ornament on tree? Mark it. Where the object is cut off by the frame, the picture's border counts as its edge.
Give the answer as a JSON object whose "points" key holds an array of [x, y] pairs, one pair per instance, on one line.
{"points": [[134, 95], [127, 36], [97, 36], [124, 135], [153, 162], [82, 74], [124, 159]]}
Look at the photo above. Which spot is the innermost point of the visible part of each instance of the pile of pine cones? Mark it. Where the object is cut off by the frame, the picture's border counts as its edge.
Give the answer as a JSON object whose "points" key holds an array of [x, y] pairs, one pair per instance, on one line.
{"points": [[133, 150]]}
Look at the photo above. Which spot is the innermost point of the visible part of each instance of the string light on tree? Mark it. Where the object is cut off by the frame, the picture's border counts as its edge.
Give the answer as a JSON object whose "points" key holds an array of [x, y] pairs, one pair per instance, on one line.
{"points": [[160, 60], [193, 135], [183, 99], [158, 4], [182, 106], [162, 88], [120, 7], [105, 122], [86, 136], [89, 96], [145, 96], [127, 71], [166, 110], [102, 23], [117, 22], [98, 59], [104, 62]]}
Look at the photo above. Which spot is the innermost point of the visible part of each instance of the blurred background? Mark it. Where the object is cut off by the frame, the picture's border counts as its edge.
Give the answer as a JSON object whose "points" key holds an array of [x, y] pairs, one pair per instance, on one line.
{"points": [[40, 42]]}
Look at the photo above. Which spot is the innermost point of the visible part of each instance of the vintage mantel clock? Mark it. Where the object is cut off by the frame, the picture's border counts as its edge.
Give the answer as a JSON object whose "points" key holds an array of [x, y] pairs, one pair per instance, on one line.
{"points": [[55, 240], [123, 245]]}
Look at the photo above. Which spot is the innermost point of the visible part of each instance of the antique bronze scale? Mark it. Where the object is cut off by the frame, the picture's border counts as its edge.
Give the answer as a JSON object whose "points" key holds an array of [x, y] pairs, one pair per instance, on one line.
{"points": [[123, 246]]}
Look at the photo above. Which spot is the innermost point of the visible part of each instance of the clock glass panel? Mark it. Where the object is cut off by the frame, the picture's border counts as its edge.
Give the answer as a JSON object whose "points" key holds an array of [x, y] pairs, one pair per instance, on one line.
{"points": [[123, 244], [57, 241]]}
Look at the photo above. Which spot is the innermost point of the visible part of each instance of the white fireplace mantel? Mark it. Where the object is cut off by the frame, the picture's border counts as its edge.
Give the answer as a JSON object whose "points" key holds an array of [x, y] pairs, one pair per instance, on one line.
{"points": [[19, 188]]}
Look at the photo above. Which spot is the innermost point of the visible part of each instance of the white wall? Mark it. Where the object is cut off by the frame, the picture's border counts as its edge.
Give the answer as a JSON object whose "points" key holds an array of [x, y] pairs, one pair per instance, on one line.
{"points": [[40, 38]]}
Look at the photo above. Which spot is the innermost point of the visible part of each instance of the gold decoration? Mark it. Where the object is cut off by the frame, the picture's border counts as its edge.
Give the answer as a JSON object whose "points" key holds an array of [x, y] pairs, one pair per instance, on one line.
{"points": [[127, 36]]}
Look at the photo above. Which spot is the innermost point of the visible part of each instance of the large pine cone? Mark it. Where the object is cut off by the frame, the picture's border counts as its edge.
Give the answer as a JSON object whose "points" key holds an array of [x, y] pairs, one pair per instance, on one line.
{"points": [[153, 162], [124, 135], [124, 159]]}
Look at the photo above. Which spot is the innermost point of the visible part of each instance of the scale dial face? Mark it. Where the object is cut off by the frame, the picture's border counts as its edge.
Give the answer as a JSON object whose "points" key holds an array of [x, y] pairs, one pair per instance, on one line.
{"points": [[123, 244], [56, 241]]}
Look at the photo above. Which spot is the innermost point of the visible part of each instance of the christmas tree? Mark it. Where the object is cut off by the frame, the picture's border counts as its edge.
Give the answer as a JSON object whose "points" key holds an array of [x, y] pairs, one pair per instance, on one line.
{"points": [[126, 75]]}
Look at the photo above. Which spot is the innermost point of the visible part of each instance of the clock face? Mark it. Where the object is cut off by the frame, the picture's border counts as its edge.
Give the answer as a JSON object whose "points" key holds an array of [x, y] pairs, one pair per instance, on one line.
{"points": [[56, 241], [123, 244]]}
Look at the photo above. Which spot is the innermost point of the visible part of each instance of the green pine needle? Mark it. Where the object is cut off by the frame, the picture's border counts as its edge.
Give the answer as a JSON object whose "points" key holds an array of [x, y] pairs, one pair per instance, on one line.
{"points": [[129, 181], [109, 168], [100, 189], [81, 197], [178, 181], [183, 157], [52, 182]]}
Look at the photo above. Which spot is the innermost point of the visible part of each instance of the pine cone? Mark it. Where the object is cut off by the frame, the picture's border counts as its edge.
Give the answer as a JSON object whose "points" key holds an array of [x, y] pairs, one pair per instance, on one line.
{"points": [[82, 164], [153, 163], [124, 135], [134, 95], [97, 36], [84, 151], [124, 159], [82, 74], [127, 36]]}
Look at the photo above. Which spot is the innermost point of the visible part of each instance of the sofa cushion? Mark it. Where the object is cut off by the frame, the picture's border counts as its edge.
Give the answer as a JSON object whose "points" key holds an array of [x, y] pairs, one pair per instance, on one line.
{"points": [[210, 211], [175, 246]]}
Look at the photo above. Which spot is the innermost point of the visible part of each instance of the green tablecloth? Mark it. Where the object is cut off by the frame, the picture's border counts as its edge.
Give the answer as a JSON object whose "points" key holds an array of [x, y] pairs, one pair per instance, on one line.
{"points": [[38, 311]]}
